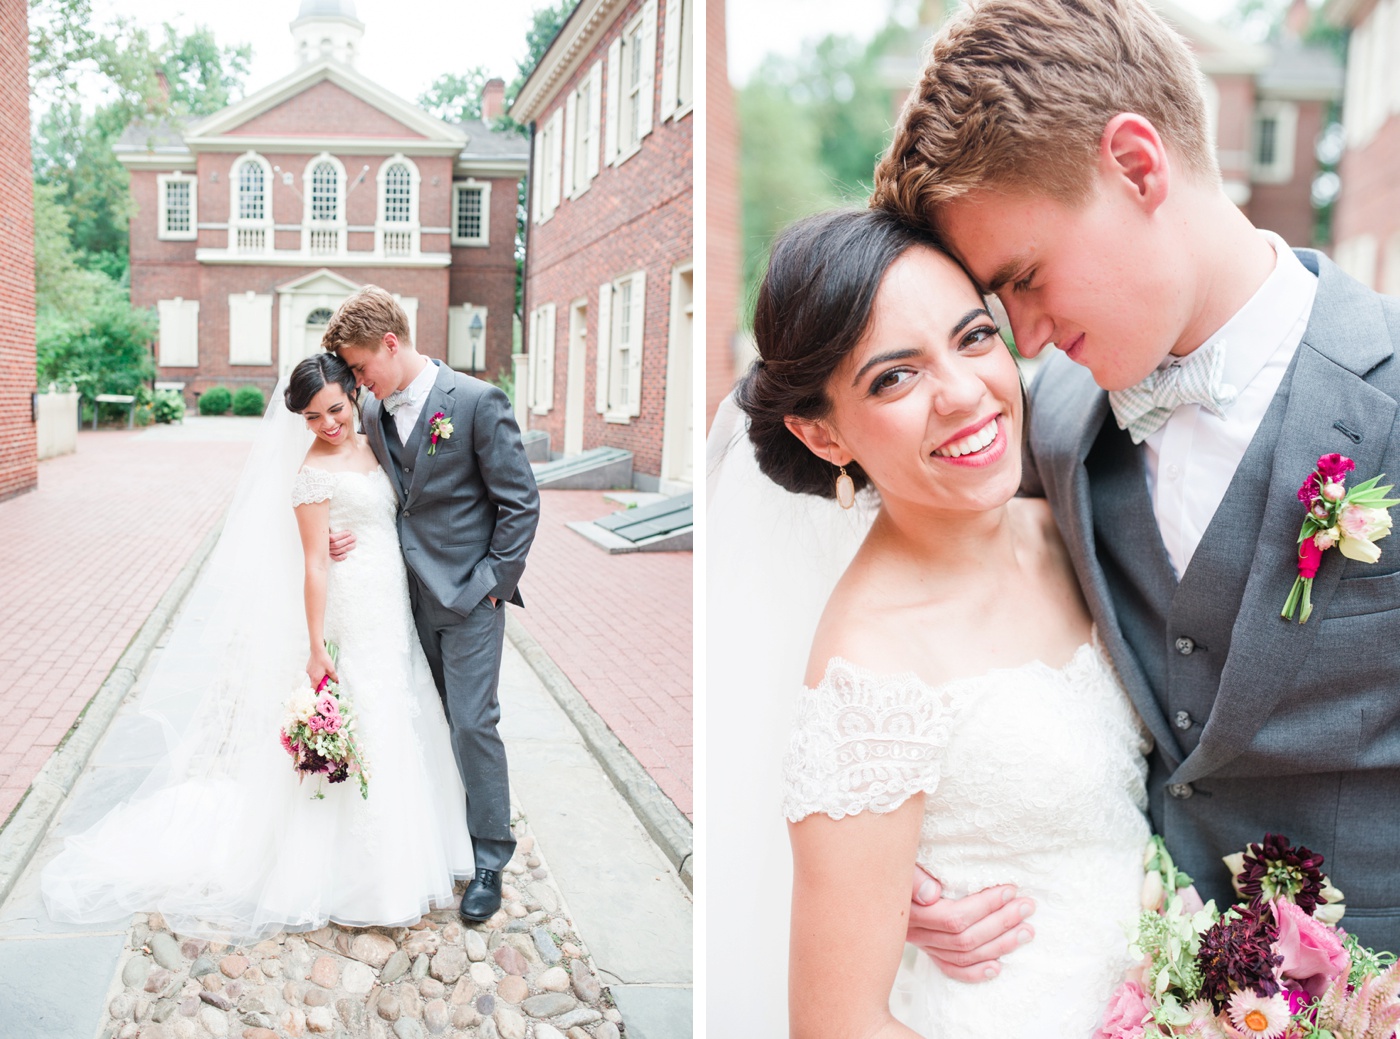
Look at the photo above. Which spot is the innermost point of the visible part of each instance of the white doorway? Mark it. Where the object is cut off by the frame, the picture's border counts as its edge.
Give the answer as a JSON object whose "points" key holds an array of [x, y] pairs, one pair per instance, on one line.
{"points": [[578, 368], [316, 323], [677, 449]]}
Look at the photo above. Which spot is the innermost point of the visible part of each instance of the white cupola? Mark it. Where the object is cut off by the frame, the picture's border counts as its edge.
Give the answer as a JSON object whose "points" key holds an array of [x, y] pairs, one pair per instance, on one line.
{"points": [[327, 29]]}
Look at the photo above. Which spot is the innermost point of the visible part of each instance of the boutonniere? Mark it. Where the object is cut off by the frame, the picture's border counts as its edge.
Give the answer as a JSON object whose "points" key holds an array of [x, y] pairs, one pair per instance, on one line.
{"points": [[441, 426], [1352, 520]]}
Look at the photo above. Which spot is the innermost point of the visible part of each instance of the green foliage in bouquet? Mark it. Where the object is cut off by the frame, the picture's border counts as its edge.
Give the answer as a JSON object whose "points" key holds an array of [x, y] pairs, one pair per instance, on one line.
{"points": [[168, 407], [248, 401], [216, 401]]}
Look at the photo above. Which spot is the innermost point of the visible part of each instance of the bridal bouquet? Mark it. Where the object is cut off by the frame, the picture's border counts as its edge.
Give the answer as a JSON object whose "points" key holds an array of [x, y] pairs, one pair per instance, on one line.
{"points": [[1273, 966], [319, 734]]}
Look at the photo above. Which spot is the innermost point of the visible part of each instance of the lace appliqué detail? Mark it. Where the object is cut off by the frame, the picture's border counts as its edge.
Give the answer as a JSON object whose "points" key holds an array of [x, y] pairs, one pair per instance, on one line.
{"points": [[311, 486], [864, 742]]}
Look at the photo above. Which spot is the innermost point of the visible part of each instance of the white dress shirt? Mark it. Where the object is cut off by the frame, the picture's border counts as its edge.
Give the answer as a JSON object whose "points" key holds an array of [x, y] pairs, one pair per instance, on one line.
{"points": [[1192, 458], [406, 417]]}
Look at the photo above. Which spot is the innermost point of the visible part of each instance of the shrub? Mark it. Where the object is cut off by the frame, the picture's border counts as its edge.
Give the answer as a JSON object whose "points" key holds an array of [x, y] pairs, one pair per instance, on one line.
{"points": [[215, 402], [169, 406], [248, 401]]}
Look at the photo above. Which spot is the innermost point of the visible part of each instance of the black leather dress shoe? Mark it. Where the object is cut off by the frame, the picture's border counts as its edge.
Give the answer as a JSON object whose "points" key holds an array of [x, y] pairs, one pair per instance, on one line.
{"points": [[482, 897]]}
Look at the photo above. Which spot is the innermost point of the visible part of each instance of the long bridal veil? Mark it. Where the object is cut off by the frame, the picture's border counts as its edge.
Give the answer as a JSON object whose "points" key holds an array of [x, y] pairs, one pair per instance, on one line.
{"points": [[205, 823], [772, 560]]}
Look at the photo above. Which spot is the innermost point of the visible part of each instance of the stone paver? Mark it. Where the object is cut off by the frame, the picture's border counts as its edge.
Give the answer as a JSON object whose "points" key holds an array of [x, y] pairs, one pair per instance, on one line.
{"points": [[85, 558], [621, 628]]}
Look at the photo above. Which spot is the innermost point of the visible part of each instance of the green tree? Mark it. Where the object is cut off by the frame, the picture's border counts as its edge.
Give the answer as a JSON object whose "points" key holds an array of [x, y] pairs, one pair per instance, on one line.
{"points": [[455, 98]]}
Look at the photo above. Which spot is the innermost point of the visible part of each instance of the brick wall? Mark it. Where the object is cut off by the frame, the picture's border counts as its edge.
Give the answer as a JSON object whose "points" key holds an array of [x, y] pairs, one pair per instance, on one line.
{"points": [[1287, 208], [1370, 199], [484, 276], [324, 110], [723, 246], [19, 466], [637, 215]]}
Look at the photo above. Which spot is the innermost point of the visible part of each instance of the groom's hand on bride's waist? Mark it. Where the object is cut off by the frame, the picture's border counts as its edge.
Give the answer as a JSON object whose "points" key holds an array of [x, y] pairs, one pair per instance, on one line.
{"points": [[342, 542], [967, 936]]}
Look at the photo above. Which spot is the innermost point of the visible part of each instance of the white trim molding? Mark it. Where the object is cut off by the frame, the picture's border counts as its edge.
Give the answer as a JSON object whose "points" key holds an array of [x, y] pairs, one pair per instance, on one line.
{"points": [[459, 188]]}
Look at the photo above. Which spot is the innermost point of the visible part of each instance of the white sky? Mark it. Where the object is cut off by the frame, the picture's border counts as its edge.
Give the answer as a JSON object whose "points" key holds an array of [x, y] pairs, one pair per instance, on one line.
{"points": [[756, 28], [407, 43]]}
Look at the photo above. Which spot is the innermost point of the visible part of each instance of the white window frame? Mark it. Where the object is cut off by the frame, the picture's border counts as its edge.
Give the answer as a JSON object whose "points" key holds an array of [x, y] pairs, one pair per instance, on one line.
{"points": [[618, 392], [412, 226], [678, 60], [460, 355], [336, 224], [541, 358], [244, 244], [461, 187], [178, 317], [249, 328], [583, 120], [1284, 115], [163, 182], [630, 98], [548, 164]]}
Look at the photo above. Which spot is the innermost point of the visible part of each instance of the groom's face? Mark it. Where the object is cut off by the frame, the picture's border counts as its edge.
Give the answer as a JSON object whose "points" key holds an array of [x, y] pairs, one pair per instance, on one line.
{"points": [[1086, 278], [374, 367]]}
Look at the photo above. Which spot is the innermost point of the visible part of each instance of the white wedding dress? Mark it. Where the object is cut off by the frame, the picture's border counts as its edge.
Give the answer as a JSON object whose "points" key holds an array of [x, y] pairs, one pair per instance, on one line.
{"points": [[1032, 776], [222, 839]]}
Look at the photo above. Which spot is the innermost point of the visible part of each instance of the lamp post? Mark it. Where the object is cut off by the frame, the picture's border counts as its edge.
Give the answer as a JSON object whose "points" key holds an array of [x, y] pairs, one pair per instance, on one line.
{"points": [[474, 331]]}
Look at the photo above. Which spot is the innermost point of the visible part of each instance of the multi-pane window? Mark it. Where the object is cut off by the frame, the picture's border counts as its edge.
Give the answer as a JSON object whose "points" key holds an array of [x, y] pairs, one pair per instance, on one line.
{"points": [[631, 84], [250, 230], [685, 90], [324, 200], [582, 132], [1267, 142], [471, 213], [622, 345], [398, 195], [252, 192], [177, 207], [631, 88], [323, 234], [1275, 138], [621, 315]]}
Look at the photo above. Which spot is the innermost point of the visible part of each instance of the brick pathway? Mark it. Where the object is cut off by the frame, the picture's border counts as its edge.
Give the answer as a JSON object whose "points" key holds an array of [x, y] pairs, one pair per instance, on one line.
{"points": [[620, 628], [83, 561]]}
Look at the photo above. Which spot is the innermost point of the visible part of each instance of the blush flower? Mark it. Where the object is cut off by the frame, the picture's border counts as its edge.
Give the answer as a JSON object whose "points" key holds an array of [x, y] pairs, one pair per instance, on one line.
{"points": [[1259, 1017], [1360, 528], [1313, 956], [1127, 1013]]}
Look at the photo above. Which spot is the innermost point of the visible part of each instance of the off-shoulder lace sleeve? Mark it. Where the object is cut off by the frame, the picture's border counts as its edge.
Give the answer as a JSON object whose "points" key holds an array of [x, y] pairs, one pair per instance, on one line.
{"points": [[863, 743], [312, 485]]}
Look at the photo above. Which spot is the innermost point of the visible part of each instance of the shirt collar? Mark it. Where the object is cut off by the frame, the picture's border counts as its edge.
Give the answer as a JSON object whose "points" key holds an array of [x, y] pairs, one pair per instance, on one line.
{"points": [[423, 382]]}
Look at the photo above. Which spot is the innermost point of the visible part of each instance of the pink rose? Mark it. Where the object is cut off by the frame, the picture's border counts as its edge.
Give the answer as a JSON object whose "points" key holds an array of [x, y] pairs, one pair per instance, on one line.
{"points": [[1309, 558], [314, 723], [332, 724], [1313, 956], [1127, 1012], [328, 706]]}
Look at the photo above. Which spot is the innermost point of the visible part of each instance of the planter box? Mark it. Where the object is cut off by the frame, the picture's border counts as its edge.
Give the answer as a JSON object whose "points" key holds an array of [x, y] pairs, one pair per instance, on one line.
{"points": [[58, 424]]}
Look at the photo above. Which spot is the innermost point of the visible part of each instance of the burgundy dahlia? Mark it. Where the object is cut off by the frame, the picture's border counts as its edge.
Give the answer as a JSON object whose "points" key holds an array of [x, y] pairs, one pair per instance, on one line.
{"points": [[1237, 954], [340, 773], [1276, 869], [313, 763]]}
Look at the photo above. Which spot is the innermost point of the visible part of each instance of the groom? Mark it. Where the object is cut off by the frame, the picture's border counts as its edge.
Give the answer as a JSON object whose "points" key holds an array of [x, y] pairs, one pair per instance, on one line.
{"points": [[468, 508], [1061, 150]]}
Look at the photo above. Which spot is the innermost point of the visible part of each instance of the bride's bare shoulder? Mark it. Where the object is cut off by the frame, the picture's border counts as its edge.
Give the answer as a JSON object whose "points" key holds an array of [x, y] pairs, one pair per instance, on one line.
{"points": [[853, 627]]}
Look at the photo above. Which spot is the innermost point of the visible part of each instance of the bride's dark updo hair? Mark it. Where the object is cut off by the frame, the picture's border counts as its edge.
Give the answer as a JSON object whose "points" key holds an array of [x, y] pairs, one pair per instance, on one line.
{"points": [[813, 307], [313, 375]]}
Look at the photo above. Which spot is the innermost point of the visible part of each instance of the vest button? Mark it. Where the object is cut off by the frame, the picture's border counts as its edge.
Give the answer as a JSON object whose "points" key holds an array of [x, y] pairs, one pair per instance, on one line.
{"points": [[406, 514], [1185, 646], [1183, 720], [1180, 791]]}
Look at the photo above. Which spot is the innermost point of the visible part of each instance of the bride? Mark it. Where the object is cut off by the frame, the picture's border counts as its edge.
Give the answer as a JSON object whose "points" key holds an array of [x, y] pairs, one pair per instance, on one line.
{"points": [[221, 838], [958, 712]]}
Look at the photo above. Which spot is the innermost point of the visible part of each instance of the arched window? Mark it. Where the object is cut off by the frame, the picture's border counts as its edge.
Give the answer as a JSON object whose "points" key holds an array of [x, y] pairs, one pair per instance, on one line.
{"points": [[398, 207], [324, 191], [250, 209]]}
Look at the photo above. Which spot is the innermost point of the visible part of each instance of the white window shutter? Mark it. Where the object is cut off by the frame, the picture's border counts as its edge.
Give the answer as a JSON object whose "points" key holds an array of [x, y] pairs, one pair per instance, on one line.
{"points": [[249, 328], [532, 354], [614, 100], [670, 59], [537, 175], [179, 332], [556, 156], [646, 95], [600, 394], [637, 329], [547, 397], [595, 117], [570, 143]]}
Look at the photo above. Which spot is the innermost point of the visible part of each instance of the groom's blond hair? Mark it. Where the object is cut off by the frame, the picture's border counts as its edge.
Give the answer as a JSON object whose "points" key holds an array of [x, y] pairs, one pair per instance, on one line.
{"points": [[364, 319], [1017, 93]]}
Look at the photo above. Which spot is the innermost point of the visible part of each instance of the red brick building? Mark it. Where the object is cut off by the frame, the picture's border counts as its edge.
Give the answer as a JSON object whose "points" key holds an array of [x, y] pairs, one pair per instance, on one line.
{"points": [[724, 255], [1367, 226], [19, 458], [254, 223], [609, 282]]}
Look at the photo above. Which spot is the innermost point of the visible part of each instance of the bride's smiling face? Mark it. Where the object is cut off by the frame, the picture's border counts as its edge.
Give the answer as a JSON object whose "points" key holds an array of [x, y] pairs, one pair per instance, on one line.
{"points": [[929, 400], [331, 415]]}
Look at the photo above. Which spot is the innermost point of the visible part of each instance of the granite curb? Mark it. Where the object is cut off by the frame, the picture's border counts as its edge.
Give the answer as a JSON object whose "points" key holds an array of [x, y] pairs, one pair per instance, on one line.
{"points": [[22, 834], [658, 814]]}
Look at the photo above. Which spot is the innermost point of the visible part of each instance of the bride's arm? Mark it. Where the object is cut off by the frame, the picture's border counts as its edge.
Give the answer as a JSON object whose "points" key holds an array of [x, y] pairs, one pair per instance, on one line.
{"points": [[313, 520], [850, 909]]}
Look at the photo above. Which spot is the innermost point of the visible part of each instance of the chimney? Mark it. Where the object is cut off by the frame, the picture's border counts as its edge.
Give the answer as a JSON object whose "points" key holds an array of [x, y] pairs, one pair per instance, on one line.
{"points": [[493, 99], [1295, 22]]}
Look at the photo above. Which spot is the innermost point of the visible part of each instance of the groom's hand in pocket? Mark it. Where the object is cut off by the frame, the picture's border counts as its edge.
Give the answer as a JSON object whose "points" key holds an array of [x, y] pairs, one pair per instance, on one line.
{"points": [[967, 936], [342, 543]]}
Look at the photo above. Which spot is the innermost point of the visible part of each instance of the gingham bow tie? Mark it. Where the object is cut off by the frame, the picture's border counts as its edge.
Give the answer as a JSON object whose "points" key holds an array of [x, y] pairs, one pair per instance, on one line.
{"points": [[1198, 378], [398, 399]]}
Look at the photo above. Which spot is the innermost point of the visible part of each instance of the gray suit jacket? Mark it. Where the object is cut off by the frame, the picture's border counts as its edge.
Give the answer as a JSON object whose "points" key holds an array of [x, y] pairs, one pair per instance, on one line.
{"points": [[468, 511], [1260, 724]]}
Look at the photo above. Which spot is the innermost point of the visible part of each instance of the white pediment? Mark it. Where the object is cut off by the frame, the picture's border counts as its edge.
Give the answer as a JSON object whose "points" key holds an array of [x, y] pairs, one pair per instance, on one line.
{"points": [[321, 283]]}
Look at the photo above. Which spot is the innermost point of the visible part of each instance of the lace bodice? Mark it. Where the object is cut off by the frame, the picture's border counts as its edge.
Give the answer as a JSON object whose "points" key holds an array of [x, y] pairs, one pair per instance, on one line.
{"points": [[1033, 776]]}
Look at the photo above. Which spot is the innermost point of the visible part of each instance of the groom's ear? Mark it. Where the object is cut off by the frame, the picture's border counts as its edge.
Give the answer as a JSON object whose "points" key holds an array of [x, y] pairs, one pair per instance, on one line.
{"points": [[819, 437], [390, 342], [1131, 153]]}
